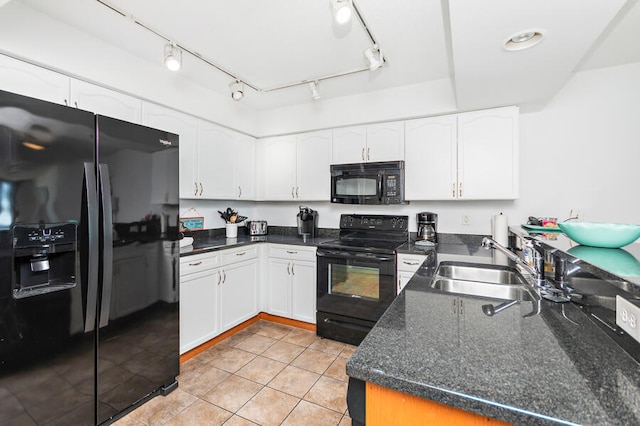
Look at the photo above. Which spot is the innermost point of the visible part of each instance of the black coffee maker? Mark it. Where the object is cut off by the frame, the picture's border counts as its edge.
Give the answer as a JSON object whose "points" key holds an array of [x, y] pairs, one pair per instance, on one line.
{"points": [[307, 222], [427, 229]]}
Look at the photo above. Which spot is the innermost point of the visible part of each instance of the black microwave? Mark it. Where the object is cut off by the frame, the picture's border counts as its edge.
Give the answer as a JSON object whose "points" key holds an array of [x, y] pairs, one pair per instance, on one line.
{"points": [[368, 183]]}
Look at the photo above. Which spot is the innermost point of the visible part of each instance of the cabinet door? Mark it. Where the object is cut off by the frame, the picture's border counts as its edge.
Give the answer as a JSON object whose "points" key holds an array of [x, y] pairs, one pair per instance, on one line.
{"points": [[313, 162], [431, 158], [216, 161], [303, 291], [278, 302], [385, 141], [403, 279], [488, 154], [99, 100], [349, 145], [185, 126], [198, 308], [29, 80], [279, 168], [246, 168], [238, 295]]}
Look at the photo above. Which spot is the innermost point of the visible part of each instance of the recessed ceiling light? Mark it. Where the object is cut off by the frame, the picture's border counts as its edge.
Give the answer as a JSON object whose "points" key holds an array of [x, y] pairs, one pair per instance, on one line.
{"points": [[523, 40]]}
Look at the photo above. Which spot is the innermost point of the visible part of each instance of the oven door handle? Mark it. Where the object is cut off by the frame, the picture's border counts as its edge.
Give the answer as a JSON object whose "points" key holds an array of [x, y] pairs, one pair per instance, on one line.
{"points": [[346, 255]]}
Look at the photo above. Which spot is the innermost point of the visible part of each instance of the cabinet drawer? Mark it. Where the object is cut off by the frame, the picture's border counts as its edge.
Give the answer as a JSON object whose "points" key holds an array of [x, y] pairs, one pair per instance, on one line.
{"points": [[409, 263], [198, 262], [239, 254], [292, 252]]}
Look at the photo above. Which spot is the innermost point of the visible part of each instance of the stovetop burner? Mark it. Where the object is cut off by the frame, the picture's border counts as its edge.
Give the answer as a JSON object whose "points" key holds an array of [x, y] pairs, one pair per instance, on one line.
{"points": [[379, 233]]}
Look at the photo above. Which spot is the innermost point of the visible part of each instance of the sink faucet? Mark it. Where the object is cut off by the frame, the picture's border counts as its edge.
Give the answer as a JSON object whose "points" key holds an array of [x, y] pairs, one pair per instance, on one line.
{"points": [[536, 271]]}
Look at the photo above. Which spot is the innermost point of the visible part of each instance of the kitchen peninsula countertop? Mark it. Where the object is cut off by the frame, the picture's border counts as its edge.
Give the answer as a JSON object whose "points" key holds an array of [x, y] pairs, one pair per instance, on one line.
{"points": [[552, 367]]}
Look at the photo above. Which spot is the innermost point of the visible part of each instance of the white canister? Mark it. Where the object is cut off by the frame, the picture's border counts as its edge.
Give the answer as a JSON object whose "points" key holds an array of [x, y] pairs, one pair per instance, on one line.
{"points": [[231, 230]]}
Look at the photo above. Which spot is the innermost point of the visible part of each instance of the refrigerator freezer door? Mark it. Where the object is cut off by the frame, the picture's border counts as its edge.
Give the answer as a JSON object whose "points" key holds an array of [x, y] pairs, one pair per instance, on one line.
{"points": [[138, 344]]}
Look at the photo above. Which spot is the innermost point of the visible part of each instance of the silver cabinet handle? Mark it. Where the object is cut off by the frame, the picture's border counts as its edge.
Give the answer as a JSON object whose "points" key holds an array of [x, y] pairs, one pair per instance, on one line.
{"points": [[293, 272], [293, 188], [239, 192], [201, 189], [66, 103], [460, 188], [453, 190], [241, 253], [289, 268], [368, 154], [297, 196], [410, 263], [195, 263], [362, 155], [224, 280], [292, 252], [196, 191], [219, 277]]}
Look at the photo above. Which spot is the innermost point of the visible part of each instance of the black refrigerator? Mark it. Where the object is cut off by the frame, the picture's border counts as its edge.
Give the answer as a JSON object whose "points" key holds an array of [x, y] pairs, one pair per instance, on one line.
{"points": [[89, 251]]}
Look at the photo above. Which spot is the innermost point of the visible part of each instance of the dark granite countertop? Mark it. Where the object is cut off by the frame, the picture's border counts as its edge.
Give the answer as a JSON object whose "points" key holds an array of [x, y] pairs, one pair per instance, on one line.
{"points": [[553, 367], [212, 240]]}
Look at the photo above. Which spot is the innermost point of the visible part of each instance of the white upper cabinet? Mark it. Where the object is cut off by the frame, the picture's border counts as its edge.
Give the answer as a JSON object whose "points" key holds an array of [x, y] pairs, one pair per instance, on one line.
{"points": [[488, 154], [431, 158], [470, 156], [349, 145], [313, 162], [296, 167], [375, 142], [216, 162], [385, 141], [36, 82], [245, 184], [185, 126], [278, 168], [99, 100]]}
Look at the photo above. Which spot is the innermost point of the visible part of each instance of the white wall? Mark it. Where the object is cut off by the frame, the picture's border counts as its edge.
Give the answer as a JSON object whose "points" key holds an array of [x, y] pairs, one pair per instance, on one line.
{"points": [[418, 100], [581, 151]]}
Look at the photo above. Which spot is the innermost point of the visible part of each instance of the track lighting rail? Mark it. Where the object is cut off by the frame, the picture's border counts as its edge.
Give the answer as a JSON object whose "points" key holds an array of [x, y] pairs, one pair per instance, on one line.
{"points": [[234, 76]]}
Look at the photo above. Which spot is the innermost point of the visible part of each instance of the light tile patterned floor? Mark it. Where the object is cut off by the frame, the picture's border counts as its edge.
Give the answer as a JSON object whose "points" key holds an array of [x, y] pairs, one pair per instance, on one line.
{"points": [[267, 374]]}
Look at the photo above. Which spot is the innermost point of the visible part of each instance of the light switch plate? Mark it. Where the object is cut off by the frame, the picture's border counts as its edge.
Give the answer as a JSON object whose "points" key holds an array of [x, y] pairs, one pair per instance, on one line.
{"points": [[628, 317]]}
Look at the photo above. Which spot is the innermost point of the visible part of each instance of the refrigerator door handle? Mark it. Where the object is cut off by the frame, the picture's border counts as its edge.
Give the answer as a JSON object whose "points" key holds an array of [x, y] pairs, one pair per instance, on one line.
{"points": [[91, 194], [107, 248]]}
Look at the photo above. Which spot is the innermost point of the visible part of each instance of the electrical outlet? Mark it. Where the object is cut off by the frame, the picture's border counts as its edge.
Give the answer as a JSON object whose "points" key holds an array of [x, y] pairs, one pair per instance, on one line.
{"points": [[466, 219], [628, 317]]}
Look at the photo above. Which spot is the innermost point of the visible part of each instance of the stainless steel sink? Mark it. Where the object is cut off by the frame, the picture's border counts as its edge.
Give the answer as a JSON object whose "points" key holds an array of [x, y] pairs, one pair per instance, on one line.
{"points": [[493, 281]]}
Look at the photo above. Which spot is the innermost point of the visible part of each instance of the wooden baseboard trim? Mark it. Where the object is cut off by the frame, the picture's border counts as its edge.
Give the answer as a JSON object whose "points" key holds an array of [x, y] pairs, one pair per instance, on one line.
{"points": [[287, 321], [262, 315]]}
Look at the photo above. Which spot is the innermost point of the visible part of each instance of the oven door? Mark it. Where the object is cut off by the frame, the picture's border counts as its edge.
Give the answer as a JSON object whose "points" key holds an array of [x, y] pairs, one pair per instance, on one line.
{"points": [[358, 285]]}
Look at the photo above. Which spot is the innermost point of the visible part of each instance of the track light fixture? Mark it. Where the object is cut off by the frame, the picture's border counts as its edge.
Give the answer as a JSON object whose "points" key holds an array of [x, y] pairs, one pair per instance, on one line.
{"points": [[341, 10], [374, 57], [172, 57], [237, 90], [315, 94]]}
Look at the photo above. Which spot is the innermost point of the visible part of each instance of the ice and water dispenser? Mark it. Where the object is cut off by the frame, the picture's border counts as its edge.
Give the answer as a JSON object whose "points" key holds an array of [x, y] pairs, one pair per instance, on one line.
{"points": [[44, 258]]}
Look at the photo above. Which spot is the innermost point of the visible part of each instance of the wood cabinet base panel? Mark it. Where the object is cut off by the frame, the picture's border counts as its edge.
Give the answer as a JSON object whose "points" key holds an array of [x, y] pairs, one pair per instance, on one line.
{"points": [[262, 315], [387, 407]]}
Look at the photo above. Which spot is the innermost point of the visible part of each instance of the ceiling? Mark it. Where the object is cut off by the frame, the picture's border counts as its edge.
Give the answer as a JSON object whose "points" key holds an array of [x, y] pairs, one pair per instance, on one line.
{"points": [[279, 42]]}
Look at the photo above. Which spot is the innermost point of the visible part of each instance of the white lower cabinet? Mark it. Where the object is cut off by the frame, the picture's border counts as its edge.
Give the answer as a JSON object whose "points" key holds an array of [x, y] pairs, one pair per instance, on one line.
{"points": [[406, 266], [291, 286], [238, 286], [199, 276], [218, 291]]}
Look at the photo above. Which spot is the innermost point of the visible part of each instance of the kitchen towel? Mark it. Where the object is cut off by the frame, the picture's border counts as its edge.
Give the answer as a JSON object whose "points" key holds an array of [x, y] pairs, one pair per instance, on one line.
{"points": [[500, 229]]}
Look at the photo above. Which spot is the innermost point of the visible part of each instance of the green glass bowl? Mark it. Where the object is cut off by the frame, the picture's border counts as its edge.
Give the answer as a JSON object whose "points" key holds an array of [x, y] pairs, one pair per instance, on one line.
{"points": [[615, 260], [606, 235]]}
